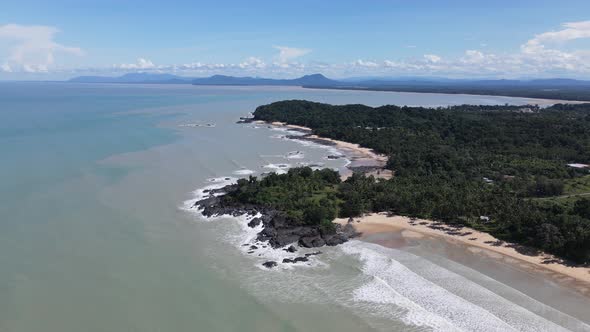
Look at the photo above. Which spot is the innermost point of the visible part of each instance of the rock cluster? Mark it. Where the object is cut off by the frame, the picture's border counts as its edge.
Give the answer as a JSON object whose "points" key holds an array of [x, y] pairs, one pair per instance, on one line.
{"points": [[278, 230]]}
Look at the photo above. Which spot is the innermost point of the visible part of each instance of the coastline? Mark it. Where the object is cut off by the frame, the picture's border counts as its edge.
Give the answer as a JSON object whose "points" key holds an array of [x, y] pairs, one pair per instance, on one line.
{"points": [[539, 101], [478, 243], [361, 158]]}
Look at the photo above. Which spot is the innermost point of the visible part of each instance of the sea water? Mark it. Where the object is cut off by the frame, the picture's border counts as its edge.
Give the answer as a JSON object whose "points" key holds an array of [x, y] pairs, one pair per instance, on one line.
{"points": [[97, 233]]}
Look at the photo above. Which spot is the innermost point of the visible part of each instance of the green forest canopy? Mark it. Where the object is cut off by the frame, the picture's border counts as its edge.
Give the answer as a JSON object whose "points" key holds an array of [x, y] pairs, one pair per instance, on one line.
{"points": [[456, 164]]}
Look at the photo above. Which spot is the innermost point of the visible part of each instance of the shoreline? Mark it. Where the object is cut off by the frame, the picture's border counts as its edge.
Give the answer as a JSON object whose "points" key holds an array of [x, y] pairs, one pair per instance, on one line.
{"points": [[477, 242], [540, 101], [361, 158]]}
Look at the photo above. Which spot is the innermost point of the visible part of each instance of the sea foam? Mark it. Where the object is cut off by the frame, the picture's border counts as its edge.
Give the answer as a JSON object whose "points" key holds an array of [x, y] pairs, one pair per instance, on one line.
{"points": [[246, 239], [426, 298]]}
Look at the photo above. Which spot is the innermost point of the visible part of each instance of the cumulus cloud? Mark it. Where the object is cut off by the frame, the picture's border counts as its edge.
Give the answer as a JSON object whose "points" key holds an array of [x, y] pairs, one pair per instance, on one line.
{"points": [[287, 54], [140, 64], [432, 58], [368, 64], [31, 48], [571, 31], [6, 68], [252, 62], [542, 55]]}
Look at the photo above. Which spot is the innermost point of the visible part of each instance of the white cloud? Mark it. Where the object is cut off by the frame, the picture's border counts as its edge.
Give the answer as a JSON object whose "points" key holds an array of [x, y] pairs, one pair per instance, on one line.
{"points": [[432, 58], [252, 62], [473, 56], [6, 68], [369, 64], [573, 30], [31, 48], [287, 54], [541, 55], [140, 64]]}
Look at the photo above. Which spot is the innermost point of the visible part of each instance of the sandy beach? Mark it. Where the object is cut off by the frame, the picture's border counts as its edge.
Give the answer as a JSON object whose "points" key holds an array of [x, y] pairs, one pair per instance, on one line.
{"points": [[360, 157], [475, 241], [478, 243]]}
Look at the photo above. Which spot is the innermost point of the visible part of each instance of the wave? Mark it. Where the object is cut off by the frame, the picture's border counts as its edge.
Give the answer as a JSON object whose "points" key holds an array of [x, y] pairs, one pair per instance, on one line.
{"points": [[246, 240], [295, 155], [278, 168], [199, 194], [244, 172], [421, 293]]}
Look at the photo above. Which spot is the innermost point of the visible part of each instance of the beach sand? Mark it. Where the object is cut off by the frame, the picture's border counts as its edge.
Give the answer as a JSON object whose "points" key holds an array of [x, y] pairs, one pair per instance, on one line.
{"points": [[360, 157], [477, 242]]}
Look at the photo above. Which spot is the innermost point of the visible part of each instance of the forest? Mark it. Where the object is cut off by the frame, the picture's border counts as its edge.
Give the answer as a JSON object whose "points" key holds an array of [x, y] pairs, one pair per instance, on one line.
{"points": [[550, 90], [500, 169]]}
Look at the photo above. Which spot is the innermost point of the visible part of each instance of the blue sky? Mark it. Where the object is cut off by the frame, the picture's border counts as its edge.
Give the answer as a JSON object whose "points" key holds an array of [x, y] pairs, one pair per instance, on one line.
{"points": [[63, 38]]}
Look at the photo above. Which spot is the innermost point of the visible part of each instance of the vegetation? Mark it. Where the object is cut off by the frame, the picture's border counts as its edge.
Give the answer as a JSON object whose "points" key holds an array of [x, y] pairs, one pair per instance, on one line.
{"points": [[550, 90], [307, 197], [458, 164]]}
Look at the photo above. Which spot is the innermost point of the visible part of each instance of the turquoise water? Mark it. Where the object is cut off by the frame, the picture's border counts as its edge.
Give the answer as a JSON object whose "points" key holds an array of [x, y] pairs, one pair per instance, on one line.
{"points": [[93, 236]]}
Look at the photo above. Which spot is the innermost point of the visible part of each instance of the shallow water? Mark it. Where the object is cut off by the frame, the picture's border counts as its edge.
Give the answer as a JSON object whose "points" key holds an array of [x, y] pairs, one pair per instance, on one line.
{"points": [[94, 237]]}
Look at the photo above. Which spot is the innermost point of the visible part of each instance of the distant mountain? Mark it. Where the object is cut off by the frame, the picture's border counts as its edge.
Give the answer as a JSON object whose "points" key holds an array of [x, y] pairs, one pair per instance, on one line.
{"points": [[149, 78], [315, 80], [145, 78], [554, 88]]}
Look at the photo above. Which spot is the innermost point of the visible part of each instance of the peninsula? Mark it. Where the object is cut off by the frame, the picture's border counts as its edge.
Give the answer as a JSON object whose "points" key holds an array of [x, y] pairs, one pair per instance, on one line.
{"points": [[503, 170]]}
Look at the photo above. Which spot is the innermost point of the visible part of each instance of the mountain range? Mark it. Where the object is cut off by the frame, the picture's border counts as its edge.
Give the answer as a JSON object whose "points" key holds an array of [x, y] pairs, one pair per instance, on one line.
{"points": [[321, 80], [555, 88]]}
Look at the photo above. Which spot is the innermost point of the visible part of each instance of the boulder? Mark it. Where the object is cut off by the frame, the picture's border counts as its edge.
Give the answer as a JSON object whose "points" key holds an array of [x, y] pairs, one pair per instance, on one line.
{"points": [[254, 222], [311, 242], [295, 260], [269, 264]]}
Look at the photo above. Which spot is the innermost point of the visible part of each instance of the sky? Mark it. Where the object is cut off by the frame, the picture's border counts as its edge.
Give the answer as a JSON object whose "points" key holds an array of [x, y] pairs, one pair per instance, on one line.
{"points": [[59, 39]]}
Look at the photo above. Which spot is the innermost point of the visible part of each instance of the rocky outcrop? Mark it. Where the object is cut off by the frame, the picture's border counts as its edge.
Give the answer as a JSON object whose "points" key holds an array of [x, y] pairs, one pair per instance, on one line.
{"points": [[278, 230], [269, 264], [245, 120], [295, 260]]}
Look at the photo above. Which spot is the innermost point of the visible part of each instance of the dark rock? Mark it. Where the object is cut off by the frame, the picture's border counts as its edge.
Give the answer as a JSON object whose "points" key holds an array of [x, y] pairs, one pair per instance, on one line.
{"points": [[269, 264], [253, 247], [349, 232], [315, 253], [311, 242], [295, 260], [254, 222], [245, 120], [278, 229], [336, 239], [279, 221]]}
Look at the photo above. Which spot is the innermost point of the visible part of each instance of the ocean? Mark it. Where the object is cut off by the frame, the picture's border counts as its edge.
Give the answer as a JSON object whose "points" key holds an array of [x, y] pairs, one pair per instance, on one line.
{"points": [[97, 234]]}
